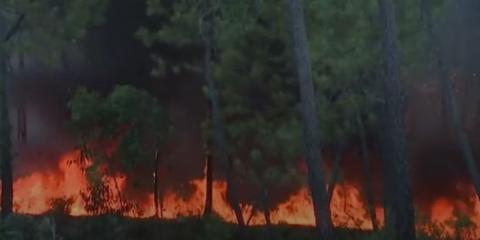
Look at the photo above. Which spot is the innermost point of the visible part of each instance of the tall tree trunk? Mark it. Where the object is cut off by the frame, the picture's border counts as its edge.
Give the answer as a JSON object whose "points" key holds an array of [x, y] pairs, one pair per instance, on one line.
{"points": [[336, 168], [309, 115], [394, 110], [155, 182], [219, 130], [450, 101], [367, 181], [209, 180], [5, 143]]}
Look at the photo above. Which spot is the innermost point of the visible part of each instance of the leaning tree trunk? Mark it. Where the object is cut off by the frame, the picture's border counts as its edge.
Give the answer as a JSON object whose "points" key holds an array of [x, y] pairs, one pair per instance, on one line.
{"points": [[309, 115], [5, 143], [449, 98], [367, 180], [219, 131], [394, 110]]}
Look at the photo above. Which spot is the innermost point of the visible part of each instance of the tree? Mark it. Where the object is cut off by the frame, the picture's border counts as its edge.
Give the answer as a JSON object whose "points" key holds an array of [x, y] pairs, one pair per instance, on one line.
{"points": [[394, 135], [123, 132], [309, 115], [39, 28], [193, 24], [218, 126], [448, 96], [259, 104]]}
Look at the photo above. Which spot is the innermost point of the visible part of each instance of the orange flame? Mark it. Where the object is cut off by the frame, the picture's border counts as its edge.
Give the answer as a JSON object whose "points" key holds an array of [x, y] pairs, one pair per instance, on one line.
{"points": [[33, 193]]}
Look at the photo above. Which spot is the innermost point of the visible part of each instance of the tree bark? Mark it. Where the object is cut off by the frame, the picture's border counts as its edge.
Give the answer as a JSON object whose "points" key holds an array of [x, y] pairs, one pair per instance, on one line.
{"points": [[367, 181], [394, 110], [219, 130], [449, 98], [309, 115], [5, 143]]}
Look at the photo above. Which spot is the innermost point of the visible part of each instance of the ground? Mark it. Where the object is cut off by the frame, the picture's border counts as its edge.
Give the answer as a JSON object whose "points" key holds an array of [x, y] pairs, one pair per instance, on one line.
{"points": [[121, 228]]}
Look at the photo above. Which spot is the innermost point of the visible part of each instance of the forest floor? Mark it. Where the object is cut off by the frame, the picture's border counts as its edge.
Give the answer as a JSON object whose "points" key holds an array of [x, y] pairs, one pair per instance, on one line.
{"points": [[121, 228]]}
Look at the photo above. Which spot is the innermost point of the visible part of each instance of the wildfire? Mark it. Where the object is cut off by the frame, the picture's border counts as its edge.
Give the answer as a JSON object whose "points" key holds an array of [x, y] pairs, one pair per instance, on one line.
{"points": [[33, 194]]}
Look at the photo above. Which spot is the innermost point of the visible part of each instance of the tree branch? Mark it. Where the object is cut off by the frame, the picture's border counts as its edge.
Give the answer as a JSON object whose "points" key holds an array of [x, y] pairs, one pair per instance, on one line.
{"points": [[14, 28]]}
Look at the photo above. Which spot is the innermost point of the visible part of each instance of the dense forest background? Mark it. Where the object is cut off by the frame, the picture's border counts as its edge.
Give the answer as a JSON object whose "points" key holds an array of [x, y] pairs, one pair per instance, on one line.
{"points": [[259, 97]]}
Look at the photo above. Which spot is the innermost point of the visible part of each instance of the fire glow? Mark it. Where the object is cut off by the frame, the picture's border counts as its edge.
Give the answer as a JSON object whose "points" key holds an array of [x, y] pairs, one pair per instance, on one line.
{"points": [[33, 195]]}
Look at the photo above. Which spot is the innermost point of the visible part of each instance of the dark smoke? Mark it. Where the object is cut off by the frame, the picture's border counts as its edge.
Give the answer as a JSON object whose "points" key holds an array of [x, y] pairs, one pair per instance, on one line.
{"points": [[113, 56]]}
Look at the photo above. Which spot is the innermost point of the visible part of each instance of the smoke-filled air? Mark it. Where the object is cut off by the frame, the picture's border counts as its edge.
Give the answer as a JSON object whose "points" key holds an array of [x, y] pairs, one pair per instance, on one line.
{"points": [[233, 120]]}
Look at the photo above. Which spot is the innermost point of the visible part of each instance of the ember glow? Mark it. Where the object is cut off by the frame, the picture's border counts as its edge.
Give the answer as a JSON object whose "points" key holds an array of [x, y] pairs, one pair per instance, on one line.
{"points": [[33, 195]]}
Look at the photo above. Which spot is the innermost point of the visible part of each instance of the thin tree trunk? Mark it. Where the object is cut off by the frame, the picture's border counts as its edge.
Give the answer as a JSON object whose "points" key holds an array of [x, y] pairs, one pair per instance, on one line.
{"points": [[266, 207], [266, 213], [309, 115], [367, 181], [334, 177], [394, 125], [219, 131], [209, 181], [155, 182], [5, 143], [21, 111], [450, 101]]}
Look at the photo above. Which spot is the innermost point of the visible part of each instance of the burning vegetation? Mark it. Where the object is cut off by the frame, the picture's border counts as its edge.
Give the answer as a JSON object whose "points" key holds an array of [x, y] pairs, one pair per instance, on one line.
{"points": [[159, 119]]}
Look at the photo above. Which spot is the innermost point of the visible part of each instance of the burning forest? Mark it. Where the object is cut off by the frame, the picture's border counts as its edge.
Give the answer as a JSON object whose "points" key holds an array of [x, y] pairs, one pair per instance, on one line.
{"points": [[207, 119]]}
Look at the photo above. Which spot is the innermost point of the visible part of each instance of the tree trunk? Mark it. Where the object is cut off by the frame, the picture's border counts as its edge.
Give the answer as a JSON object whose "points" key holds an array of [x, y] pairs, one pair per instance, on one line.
{"points": [[309, 115], [367, 182], [450, 101], [266, 206], [209, 180], [334, 177], [219, 131], [21, 110], [388, 199], [394, 110], [155, 183], [5, 143], [266, 213]]}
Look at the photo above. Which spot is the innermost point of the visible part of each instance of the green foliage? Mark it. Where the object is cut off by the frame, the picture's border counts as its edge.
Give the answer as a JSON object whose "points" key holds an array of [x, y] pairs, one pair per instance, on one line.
{"points": [[121, 132], [49, 26], [129, 117]]}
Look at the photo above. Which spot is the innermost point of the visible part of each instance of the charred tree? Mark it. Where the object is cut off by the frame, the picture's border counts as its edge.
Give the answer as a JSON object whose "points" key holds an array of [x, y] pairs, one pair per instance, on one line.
{"points": [[218, 127], [367, 180], [310, 122], [448, 97], [394, 135]]}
